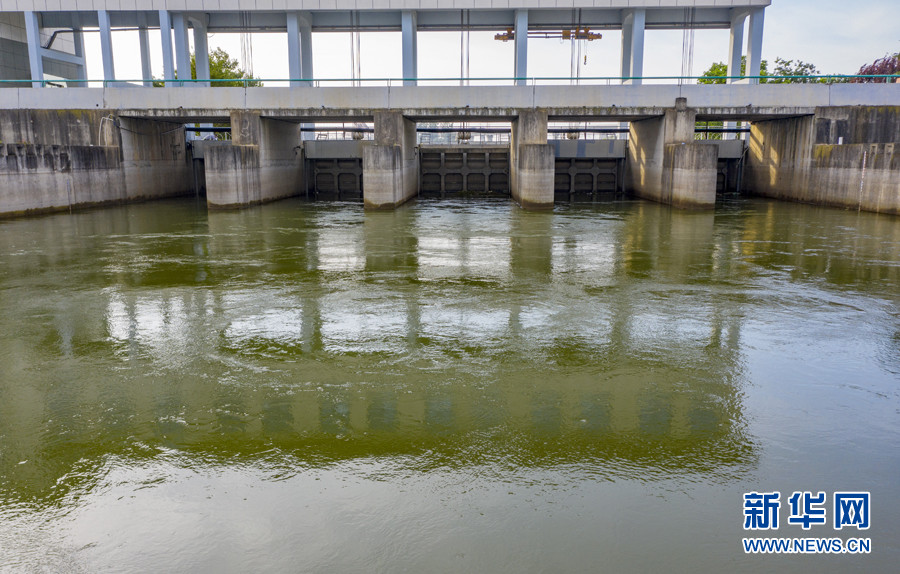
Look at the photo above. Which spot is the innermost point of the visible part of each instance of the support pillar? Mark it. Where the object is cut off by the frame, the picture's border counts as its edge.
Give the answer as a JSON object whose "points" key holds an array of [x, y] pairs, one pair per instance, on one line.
{"points": [[182, 49], [532, 161], [521, 47], [391, 164], [735, 55], [144, 41], [665, 164], [754, 43], [78, 40], [165, 33], [299, 29], [106, 49], [264, 163], [201, 53], [409, 26], [35, 60], [633, 45], [736, 45]]}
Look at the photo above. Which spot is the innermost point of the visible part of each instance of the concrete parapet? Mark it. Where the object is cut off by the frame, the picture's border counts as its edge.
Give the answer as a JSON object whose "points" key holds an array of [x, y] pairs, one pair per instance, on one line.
{"points": [[390, 164], [264, 163], [532, 161], [665, 164]]}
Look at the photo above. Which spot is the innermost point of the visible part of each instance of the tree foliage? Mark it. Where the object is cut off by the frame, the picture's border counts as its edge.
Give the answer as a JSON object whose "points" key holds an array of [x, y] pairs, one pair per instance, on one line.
{"points": [[224, 67], [785, 72], [717, 73], [221, 67], [886, 65]]}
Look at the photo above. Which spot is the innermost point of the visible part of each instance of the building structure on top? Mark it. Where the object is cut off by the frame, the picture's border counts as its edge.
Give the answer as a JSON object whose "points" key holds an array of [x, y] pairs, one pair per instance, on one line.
{"points": [[43, 39]]}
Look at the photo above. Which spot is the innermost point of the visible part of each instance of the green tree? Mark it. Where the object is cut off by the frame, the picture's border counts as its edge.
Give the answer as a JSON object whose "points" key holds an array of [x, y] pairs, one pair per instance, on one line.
{"points": [[224, 67], [785, 72], [717, 72], [221, 67]]}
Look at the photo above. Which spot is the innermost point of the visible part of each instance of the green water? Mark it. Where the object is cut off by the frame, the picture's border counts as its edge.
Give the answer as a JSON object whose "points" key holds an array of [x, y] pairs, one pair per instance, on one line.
{"points": [[454, 386]]}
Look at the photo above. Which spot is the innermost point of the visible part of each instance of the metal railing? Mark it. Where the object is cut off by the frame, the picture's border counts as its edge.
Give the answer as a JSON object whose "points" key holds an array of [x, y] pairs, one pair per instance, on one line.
{"points": [[480, 81]]}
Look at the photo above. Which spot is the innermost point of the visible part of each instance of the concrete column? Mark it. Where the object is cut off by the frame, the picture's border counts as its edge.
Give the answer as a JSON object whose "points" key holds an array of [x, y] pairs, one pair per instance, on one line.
{"points": [[532, 161], [182, 48], [78, 40], [306, 52], [263, 163], [521, 47], [665, 164], [391, 164], [627, 27], [293, 38], [409, 26], [754, 42], [633, 45], [165, 33], [735, 54], [299, 31], [146, 71], [106, 49], [35, 60], [201, 51], [736, 45]]}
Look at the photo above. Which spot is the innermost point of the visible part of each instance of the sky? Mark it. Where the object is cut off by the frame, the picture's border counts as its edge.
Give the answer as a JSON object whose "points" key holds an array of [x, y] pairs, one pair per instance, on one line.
{"points": [[836, 36]]}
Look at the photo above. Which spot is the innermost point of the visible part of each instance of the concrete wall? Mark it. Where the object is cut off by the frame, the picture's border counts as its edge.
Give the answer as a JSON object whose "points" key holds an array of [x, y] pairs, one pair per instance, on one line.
{"points": [[586, 148], [799, 159], [51, 161], [532, 161], [334, 149], [665, 164], [264, 162], [391, 163]]}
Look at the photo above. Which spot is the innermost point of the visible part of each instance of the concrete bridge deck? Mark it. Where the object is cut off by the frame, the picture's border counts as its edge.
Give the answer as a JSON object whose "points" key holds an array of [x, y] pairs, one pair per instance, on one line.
{"points": [[599, 102]]}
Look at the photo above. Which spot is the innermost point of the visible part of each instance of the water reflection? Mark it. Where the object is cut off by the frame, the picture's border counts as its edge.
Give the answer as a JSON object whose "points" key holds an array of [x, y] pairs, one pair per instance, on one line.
{"points": [[449, 335]]}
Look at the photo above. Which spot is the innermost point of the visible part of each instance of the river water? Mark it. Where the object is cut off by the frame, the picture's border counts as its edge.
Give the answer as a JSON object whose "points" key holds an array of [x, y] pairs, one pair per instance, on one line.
{"points": [[454, 386]]}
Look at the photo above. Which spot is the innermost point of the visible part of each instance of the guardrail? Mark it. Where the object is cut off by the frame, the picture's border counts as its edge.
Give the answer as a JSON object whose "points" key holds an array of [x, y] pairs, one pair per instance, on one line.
{"points": [[483, 81]]}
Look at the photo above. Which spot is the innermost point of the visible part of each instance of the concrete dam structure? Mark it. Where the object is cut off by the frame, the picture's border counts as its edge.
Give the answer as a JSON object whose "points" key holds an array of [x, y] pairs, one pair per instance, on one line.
{"points": [[120, 140], [86, 146]]}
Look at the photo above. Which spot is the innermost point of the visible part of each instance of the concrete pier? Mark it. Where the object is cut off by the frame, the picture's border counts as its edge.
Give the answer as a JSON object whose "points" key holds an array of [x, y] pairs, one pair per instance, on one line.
{"points": [[841, 156], [532, 160], [665, 164], [263, 163], [391, 163]]}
